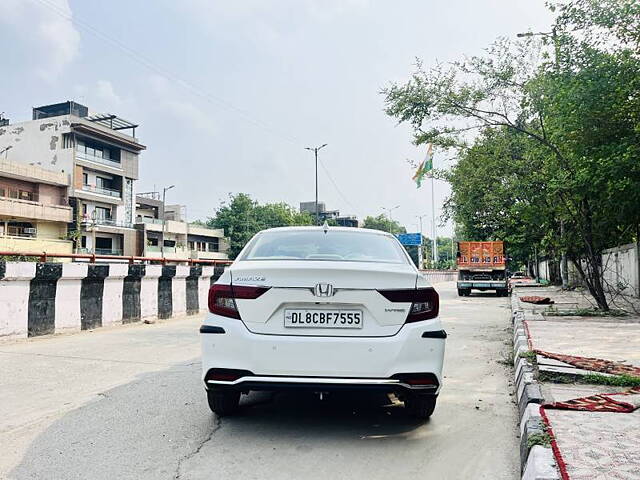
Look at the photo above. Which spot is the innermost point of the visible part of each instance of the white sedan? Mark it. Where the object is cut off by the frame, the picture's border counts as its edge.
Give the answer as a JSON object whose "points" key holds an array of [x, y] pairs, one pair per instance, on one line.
{"points": [[323, 308]]}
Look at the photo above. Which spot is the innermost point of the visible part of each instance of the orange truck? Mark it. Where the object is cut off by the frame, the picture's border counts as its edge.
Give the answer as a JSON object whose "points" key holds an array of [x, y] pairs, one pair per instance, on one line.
{"points": [[482, 266]]}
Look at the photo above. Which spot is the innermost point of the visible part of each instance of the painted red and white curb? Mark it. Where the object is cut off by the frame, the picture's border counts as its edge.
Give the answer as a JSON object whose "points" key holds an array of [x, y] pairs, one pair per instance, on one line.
{"points": [[538, 462]]}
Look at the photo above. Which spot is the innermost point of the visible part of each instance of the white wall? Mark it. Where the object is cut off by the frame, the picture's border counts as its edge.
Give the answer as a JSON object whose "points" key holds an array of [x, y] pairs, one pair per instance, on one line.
{"points": [[39, 142], [620, 269]]}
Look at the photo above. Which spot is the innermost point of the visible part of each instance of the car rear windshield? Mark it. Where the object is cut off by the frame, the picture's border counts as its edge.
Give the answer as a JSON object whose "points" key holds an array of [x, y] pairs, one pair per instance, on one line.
{"points": [[330, 246]]}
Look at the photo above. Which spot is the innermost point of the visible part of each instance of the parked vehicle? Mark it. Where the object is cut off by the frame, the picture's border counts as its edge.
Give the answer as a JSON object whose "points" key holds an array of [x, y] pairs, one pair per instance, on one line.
{"points": [[519, 278], [323, 308], [482, 266]]}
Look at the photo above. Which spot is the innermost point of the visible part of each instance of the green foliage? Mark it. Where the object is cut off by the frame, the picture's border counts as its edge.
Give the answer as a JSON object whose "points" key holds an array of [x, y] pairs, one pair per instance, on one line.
{"points": [[242, 217], [614, 381], [555, 136], [382, 222], [543, 439]]}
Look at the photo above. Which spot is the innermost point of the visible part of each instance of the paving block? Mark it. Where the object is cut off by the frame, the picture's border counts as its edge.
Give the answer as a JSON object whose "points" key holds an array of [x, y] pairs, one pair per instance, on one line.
{"points": [[531, 393], [525, 379], [541, 465], [520, 364], [532, 412], [532, 426]]}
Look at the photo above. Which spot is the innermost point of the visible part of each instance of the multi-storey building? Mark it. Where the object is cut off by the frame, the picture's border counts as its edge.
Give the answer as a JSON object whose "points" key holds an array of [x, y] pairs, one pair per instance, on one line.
{"points": [[182, 240], [99, 162], [34, 209]]}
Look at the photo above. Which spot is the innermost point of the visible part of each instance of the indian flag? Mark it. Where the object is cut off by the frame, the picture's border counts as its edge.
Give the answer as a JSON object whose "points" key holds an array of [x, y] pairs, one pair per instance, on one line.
{"points": [[425, 166]]}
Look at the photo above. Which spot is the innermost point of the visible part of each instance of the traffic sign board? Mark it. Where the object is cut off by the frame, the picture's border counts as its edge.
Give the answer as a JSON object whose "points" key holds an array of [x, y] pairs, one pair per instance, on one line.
{"points": [[410, 238]]}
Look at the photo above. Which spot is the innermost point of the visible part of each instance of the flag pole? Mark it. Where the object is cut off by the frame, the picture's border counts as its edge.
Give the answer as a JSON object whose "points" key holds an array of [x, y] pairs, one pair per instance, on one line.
{"points": [[433, 220]]}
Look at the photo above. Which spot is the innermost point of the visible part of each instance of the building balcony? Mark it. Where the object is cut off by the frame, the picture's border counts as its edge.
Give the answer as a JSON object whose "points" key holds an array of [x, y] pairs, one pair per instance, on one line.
{"points": [[32, 173], [34, 210], [101, 251], [102, 191], [200, 255], [95, 159], [105, 221], [33, 244], [154, 221]]}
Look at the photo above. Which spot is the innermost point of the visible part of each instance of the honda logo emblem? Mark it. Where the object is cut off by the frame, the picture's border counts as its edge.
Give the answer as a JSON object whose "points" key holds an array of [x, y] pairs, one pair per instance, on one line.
{"points": [[323, 290]]}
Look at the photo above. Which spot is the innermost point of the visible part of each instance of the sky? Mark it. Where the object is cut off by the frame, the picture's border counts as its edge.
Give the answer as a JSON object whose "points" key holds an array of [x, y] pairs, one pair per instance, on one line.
{"points": [[229, 93]]}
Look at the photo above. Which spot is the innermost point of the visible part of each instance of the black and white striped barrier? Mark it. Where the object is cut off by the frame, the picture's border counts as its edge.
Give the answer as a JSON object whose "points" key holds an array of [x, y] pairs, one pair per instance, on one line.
{"points": [[45, 298]]}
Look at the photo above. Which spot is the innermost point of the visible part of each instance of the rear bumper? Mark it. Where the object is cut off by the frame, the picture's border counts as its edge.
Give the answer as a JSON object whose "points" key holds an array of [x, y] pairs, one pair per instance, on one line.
{"points": [[322, 384], [480, 284], [298, 361]]}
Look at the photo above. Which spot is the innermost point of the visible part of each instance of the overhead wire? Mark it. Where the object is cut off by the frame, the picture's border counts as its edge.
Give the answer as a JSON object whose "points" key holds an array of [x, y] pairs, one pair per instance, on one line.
{"points": [[151, 65]]}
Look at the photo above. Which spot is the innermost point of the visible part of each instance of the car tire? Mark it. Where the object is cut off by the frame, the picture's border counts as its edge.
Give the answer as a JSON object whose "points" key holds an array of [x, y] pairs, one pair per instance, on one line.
{"points": [[223, 402], [420, 406], [460, 292]]}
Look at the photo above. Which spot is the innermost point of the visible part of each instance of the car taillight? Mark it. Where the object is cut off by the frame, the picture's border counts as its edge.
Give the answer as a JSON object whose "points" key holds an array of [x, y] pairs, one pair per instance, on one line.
{"points": [[222, 298], [425, 302]]}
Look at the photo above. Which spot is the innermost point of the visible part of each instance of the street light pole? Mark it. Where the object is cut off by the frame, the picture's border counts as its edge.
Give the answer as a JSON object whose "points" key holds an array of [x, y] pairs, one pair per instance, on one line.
{"points": [[389, 210], [315, 151], [164, 217]]}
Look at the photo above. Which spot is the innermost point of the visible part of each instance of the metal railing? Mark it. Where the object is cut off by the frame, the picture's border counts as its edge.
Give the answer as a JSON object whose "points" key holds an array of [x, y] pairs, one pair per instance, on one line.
{"points": [[93, 158], [102, 191], [110, 222], [157, 221], [131, 259]]}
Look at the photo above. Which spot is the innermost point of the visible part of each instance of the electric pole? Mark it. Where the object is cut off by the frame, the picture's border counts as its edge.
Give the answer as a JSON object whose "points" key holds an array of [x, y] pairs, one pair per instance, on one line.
{"points": [[315, 151]]}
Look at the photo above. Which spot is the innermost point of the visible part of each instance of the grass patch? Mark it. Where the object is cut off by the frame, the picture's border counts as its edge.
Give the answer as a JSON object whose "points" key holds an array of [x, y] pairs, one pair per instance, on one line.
{"points": [[543, 439], [529, 355], [615, 381]]}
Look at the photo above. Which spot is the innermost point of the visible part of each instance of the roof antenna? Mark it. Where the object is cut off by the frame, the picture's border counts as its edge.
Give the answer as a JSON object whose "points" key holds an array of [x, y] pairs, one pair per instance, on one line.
{"points": [[325, 227]]}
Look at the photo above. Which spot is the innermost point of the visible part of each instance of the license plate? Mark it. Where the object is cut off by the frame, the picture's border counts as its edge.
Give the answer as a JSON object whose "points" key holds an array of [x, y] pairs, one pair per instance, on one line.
{"points": [[316, 318]]}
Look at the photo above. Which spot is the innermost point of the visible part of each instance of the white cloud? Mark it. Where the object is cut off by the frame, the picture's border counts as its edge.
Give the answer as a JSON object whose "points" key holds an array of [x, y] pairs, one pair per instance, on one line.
{"points": [[43, 32], [167, 99]]}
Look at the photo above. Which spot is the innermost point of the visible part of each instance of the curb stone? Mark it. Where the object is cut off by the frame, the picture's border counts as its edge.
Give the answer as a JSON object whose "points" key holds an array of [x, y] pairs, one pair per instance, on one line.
{"points": [[537, 462]]}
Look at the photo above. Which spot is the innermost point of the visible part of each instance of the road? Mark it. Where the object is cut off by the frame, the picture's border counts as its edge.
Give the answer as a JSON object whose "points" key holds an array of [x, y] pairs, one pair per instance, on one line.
{"points": [[127, 403]]}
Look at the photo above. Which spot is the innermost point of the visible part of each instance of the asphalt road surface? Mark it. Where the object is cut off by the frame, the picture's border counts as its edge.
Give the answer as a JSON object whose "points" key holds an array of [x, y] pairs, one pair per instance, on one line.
{"points": [[127, 403]]}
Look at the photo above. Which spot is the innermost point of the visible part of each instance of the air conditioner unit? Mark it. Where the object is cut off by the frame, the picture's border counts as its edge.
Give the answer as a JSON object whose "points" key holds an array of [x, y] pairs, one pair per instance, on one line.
{"points": [[30, 230]]}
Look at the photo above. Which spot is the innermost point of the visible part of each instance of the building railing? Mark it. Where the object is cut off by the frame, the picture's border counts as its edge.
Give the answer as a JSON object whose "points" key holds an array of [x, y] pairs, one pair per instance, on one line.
{"points": [[93, 158], [44, 256], [157, 221], [110, 222], [33, 197], [102, 191]]}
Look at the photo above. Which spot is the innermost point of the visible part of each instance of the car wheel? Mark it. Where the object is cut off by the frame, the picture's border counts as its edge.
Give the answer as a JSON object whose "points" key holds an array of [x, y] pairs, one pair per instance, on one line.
{"points": [[460, 292], [420, 405], [223, 402]]}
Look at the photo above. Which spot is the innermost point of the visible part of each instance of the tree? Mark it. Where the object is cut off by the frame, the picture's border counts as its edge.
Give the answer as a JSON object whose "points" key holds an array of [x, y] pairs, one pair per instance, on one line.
{"points": [[548, 138], [382, 222], [242, 217]]}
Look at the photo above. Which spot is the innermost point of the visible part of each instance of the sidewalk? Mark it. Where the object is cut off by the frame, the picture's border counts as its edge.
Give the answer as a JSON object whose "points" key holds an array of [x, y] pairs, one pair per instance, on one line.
{"points": [[594, 445]]}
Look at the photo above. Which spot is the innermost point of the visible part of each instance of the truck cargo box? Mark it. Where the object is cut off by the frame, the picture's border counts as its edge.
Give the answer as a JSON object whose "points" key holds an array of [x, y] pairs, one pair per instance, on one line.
{"points": [[481, 255]]}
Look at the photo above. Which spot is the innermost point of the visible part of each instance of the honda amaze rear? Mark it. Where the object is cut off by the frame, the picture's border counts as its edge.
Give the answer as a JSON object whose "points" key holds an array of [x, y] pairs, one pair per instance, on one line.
{"points": [[323, 308]]}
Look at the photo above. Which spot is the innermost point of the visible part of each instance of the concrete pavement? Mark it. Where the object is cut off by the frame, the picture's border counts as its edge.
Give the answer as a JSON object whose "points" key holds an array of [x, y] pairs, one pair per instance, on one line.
{"points": [[128, 403]]}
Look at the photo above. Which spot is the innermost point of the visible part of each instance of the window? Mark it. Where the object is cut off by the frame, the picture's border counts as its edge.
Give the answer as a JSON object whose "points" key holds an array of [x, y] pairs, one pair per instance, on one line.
{"points": [[191, 245], [102, 213], [318, 245], [104, 243], [213, 246], [169, 243], [85, 179], [67, 140], [83, 241]]}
